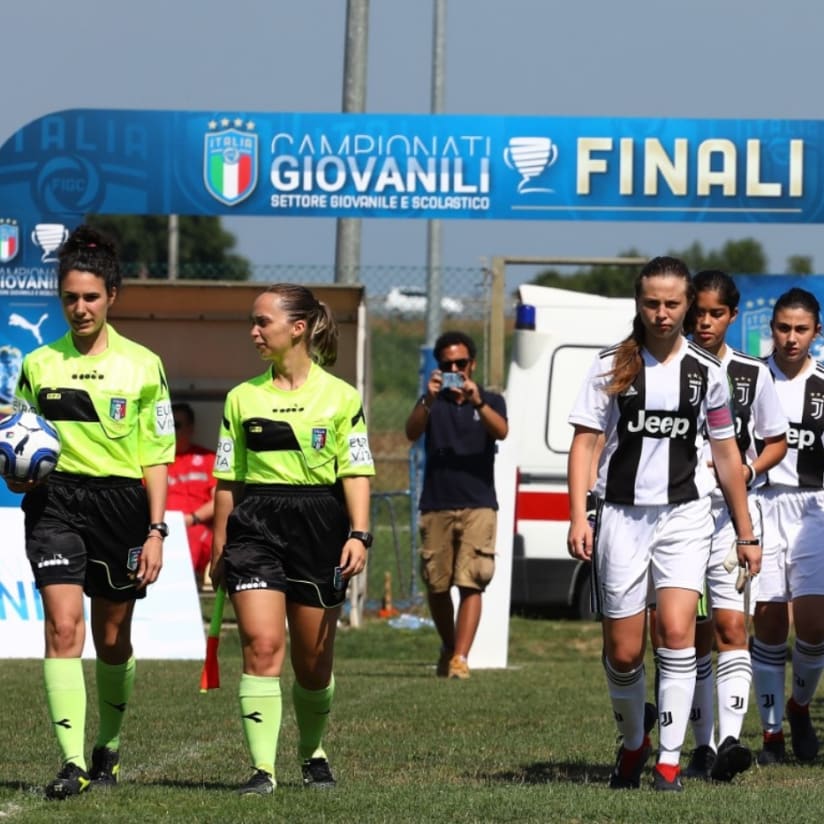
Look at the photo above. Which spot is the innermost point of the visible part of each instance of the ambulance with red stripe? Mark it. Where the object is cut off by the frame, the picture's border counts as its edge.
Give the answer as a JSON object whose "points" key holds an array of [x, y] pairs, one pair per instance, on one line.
{"points": [[557, 335]]}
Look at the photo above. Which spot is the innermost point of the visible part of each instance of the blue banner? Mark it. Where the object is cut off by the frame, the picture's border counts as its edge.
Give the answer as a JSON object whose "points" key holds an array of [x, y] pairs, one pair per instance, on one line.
{"points": [[750, 332], [65, 165], [414, 166]]}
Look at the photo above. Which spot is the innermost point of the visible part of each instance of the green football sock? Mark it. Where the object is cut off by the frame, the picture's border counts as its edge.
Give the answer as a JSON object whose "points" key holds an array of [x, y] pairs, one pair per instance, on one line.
{"points": [[260, 710], [115, 683], [66, 698], [312, 713]]}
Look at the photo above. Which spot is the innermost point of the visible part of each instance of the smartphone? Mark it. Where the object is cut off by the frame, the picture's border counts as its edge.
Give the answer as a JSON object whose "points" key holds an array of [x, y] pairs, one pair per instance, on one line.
{"points": [[452, 380], [338, 581]]}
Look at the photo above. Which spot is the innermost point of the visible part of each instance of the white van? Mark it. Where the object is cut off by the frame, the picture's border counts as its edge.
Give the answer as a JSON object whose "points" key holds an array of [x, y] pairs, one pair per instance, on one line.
{"points": [[557, 335]]}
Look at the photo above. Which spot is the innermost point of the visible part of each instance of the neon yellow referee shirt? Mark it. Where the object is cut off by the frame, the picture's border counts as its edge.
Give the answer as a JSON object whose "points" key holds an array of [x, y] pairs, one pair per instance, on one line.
{"points": [[112, 410], [310, 436]]}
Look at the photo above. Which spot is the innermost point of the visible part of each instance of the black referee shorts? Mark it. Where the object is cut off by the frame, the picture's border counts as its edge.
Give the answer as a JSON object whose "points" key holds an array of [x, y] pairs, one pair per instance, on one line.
{"points": [[87, 531], [288, 538]]}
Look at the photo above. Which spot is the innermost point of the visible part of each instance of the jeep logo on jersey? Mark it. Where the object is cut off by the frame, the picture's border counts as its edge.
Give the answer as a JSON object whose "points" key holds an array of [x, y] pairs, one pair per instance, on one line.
{"points": [[659, 425], [799, 438], [230, 160]]}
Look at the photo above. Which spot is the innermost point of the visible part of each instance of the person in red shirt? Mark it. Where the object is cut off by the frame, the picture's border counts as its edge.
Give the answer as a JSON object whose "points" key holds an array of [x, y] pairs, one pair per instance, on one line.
{"points": [[192, 488]]}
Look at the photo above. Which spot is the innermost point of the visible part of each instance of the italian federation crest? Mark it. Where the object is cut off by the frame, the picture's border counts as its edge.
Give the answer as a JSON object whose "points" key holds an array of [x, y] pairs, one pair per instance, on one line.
{"points": [[230, 160], [9, 240]]}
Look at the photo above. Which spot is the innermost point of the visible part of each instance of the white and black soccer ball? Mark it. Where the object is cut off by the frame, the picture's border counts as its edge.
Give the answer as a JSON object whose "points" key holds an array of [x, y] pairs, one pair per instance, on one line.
{"points": [[29, 447]]}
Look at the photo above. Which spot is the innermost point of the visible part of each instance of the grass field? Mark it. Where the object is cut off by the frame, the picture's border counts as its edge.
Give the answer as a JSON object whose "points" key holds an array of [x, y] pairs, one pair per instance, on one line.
{"points": [[533, 743]]}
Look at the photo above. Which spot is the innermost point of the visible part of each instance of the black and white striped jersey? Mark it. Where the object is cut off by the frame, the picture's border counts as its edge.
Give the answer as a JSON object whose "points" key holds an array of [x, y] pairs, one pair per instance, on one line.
{"points": [[756, 407], [654, 430], [802, 398]]}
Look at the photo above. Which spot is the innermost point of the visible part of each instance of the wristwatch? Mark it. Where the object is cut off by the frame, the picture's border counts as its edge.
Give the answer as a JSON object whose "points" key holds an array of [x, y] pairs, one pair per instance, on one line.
{"points": [[365, 538], [161, 527]]}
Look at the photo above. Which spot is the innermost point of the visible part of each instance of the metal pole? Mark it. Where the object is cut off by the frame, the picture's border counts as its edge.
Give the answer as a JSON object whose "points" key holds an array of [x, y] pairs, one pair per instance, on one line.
{"points": [[348, 236], [433, 227], [174, 246]]}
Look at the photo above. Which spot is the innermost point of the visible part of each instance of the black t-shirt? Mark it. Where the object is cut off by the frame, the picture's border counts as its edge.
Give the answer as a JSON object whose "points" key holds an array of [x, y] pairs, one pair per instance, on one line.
{"points": [[460, 456]]}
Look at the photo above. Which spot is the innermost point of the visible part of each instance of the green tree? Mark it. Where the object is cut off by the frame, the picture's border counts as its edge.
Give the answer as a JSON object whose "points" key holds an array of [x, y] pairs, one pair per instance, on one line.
{"points": [[611, 281], [799, 265], [737, 257], [204, 247]]}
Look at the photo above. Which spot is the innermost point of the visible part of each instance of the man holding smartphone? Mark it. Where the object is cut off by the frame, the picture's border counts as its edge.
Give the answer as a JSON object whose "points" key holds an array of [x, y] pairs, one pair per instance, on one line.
{"points": [[462, 423]]}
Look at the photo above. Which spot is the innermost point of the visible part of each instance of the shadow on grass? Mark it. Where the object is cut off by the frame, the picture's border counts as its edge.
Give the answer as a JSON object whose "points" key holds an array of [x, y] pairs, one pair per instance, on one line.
{"points": [[552, 772]]}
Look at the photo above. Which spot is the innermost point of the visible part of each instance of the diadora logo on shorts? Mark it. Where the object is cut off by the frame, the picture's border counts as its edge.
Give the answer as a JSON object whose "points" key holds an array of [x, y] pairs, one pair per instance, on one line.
{"points": [[659, 425], [255, 584], [800, 438], [230, 160]]}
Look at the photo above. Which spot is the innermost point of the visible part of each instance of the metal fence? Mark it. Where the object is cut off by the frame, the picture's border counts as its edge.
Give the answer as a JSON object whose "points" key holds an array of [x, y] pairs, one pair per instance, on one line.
{"points": [[396, 333], [396, 311]]}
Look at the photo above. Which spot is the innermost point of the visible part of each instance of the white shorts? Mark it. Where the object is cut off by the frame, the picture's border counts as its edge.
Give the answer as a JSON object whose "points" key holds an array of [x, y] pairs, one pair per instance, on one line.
{"points": [[720, 583], [793, 563], [641, 546]]}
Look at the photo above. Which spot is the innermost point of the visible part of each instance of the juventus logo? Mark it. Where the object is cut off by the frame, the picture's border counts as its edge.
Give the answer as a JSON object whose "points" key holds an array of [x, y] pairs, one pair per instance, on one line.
{"points": [[665, 719], [768, 700], [817, 403], [737, 702], [695, 385], [742, 393]]}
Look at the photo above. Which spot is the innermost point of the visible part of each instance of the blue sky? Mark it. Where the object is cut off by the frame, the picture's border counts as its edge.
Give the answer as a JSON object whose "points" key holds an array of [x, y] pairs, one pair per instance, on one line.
{"points": [[637, 58]]}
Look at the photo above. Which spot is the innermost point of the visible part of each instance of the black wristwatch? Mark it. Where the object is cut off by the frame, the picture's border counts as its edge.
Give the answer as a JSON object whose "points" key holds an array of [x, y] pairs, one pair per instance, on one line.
{"points": [[365, 538], [160, 527]]}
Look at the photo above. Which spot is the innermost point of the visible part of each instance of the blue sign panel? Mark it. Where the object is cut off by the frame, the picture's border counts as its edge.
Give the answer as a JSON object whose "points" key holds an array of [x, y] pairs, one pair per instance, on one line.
{"points": [[415, 166], [751, 331]]}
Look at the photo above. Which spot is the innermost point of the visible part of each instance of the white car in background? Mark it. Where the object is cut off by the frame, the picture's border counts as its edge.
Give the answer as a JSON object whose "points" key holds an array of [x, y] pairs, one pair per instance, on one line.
{"points": [[411, 300]]}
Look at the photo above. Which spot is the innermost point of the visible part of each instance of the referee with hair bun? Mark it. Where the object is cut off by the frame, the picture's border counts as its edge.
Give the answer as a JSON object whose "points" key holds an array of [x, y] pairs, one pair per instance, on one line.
{"points": [[291, 524]]}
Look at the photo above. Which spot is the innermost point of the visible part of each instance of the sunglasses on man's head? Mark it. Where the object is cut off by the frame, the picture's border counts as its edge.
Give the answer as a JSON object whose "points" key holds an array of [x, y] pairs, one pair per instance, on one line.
{"points": [[446, 365]]}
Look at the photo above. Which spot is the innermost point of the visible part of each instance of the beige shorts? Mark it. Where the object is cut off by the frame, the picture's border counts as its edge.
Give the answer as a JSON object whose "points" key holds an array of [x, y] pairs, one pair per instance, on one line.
{"points": [[458, 548]]}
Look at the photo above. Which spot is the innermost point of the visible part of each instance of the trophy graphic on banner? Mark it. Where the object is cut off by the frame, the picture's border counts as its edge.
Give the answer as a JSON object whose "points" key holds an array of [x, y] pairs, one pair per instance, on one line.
{"points": [[530, 157], [49, 237]]}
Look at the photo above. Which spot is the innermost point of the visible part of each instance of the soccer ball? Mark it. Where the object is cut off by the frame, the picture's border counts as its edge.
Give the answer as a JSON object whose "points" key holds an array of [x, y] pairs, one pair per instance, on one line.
{"points": [[29, 447]]}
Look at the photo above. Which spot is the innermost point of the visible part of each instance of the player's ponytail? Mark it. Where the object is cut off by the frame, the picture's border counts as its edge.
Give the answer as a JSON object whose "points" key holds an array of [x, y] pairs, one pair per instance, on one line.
{"points": [[323, 336], [626, 363]]}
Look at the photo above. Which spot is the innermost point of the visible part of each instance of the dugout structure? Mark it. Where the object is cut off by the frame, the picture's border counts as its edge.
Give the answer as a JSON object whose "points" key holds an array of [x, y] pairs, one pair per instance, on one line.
{"points": [[201, 331]]}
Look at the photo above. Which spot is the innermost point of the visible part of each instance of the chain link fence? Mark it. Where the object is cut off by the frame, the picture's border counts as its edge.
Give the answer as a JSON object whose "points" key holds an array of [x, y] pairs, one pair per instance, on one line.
{"points": [[396, 310]]}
